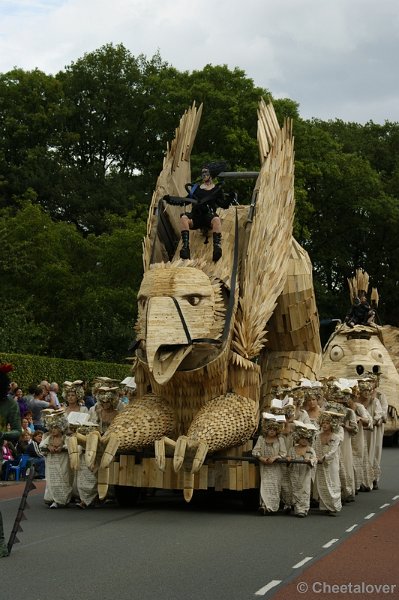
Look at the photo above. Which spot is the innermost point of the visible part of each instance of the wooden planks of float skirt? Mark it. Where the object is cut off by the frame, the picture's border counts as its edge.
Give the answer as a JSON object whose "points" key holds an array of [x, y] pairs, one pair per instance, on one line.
{"points": [[218, 477], [123, 469], [239, 478], [232, 469], [114, 473], [231, 475], [130, 470]]}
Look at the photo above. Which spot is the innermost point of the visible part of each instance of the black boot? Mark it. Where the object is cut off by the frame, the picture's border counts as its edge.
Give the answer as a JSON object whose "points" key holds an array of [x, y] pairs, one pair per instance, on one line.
{"points": [[217, 246], [185, 249]]}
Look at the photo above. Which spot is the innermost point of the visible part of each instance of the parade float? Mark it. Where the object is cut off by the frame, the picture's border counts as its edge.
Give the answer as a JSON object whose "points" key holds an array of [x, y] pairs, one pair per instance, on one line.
{"points": [[358, 348], [213, 337]]}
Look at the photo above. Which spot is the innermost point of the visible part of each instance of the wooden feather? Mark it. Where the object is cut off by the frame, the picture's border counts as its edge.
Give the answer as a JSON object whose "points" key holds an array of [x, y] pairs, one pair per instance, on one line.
{"points": [[269, 245]]}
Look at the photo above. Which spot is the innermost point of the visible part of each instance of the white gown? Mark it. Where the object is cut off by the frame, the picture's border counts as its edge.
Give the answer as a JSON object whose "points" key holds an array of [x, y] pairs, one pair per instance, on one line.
{"points": [[327, 482], [270, 475], [59, 475], [301, 480]]}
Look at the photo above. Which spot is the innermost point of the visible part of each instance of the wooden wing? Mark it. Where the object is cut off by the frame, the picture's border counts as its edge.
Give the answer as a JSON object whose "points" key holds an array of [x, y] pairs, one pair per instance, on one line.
{"points": [[176, 172], [269, 234]]}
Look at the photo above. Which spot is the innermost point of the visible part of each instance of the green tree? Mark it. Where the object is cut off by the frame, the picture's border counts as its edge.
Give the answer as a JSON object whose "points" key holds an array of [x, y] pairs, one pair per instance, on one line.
{"points": [[30, 104], [76, 295], [106, 134], [350, 218]]}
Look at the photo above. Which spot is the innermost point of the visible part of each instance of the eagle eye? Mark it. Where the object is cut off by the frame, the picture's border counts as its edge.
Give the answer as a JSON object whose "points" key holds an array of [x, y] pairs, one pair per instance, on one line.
{"points": [[193, 299]]}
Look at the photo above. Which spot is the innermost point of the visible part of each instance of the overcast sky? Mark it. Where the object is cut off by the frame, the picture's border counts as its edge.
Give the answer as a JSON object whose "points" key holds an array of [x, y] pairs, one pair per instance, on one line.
{"points": [[336, 58]]}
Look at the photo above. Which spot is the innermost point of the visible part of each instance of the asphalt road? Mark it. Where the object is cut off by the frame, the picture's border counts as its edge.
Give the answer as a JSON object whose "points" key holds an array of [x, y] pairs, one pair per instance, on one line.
{"points": [[163, 548]]}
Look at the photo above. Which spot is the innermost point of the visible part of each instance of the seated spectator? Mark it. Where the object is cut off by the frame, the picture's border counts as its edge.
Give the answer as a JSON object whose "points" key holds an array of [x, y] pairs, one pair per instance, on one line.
{"points": [[9, 457], [29, 419], [37, 457], [22, 444]]}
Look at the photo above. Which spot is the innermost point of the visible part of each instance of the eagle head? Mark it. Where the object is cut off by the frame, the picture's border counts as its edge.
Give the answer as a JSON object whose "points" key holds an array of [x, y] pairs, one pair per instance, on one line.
{"points": [[181, 311]]}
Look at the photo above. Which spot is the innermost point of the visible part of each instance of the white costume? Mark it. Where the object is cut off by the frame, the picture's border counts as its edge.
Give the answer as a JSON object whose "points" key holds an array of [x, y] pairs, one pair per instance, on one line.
{"points": [[270, 475], [379, 435], [358, 445], [327, 481], [59, 475], [301, 479]]}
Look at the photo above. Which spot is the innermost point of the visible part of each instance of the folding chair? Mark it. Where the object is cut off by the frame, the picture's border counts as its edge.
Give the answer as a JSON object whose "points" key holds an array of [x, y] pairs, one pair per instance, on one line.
{"points": [[19, 469]]}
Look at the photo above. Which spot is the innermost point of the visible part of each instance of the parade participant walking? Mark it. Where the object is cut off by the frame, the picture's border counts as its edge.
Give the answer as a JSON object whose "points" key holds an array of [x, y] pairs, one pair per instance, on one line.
{"points": [[299, 474], [287, 408], [379, 433], [367, 396], [59, 475], [341, 391], [327, 483], [73, 394], [364, 421], [269, 447]]}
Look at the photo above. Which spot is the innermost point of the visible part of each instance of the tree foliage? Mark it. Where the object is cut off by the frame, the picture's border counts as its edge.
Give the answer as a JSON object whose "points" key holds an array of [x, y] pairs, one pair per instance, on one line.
{"points": [[79, 156]]}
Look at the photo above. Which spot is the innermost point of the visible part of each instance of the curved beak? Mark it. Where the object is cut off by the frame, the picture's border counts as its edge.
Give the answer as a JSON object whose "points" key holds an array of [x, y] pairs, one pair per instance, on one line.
{"points": [[167, 343]]}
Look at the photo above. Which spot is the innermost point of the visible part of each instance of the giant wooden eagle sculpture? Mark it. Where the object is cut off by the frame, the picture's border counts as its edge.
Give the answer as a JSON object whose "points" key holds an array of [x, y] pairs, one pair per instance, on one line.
{"points": [[214, 337]]}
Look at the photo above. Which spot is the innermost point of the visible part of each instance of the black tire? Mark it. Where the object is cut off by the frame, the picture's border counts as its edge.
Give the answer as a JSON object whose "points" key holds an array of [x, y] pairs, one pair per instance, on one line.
{"points": [[127, 496]]}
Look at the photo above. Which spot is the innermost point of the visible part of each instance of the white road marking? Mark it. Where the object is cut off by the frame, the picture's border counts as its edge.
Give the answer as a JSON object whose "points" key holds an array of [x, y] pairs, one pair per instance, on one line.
{"points": [[351, 528], [369, 516], [395, 497], [305, 560], [268, 587], [384, 505], [330, 543]]}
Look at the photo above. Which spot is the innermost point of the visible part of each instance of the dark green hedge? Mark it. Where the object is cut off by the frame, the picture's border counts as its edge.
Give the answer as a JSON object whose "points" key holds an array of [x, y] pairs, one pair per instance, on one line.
{"points": [[29, 370]]}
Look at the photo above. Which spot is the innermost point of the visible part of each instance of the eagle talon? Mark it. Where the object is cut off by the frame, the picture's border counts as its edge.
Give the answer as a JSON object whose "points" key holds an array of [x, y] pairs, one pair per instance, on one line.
{"points": [[92, 440], [200, 456], [184, 451], [110, 450], [180, 452]]}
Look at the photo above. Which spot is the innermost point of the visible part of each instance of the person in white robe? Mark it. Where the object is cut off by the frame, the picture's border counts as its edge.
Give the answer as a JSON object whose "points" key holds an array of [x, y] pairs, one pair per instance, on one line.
{"points": [[59, 475], [327, 482], [270, 447], [286, 408], [379, 435], [302, 462], [367, 396], [364, 421], [341, 392], [85, 480]]}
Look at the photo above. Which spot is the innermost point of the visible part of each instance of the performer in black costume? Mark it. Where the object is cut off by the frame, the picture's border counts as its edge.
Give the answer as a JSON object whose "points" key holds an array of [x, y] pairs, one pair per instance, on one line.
{"points": [[205, 198], [360, 313]]}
